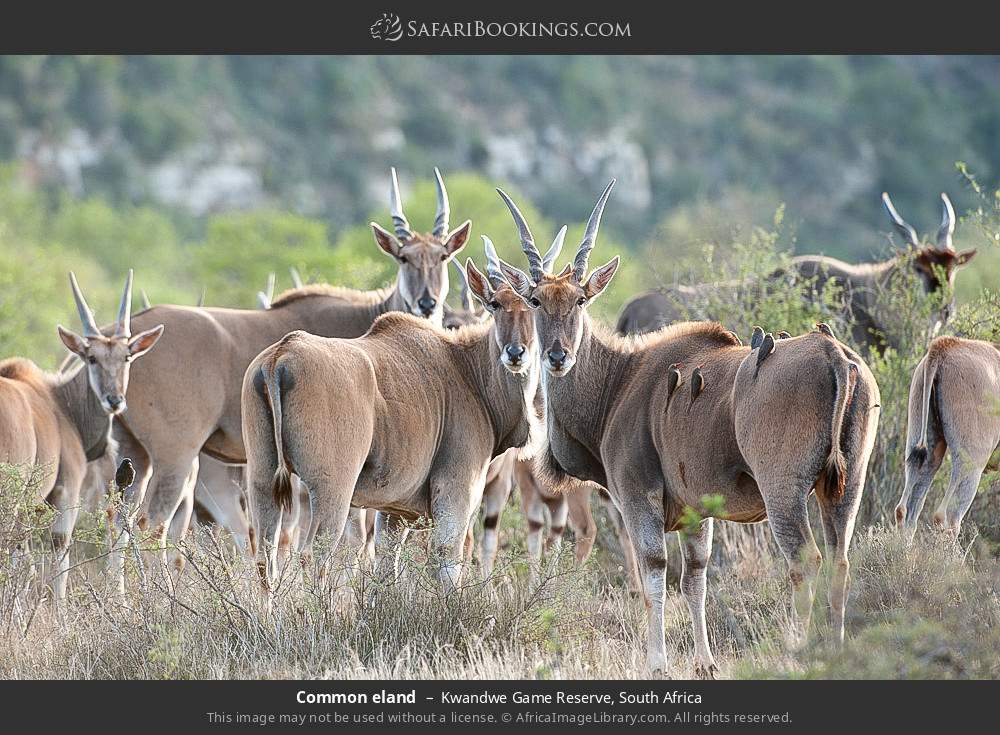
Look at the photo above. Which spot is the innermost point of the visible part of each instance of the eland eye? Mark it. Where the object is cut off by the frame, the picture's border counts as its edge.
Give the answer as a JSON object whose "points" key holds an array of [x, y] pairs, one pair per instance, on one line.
{"points": [[581, 301], [402, 259], [534, 303], [91, 359], [494, 304]]}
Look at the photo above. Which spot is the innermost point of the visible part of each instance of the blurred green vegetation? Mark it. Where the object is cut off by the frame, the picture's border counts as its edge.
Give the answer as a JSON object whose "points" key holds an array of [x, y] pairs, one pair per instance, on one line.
{"points": [[720, 143], [826, 134], [43, 237]]}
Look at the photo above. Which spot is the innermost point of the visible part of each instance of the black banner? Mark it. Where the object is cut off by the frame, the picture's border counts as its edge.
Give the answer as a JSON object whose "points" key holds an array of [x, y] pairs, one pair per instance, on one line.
{"points": [[396, 27], [789, 706]]}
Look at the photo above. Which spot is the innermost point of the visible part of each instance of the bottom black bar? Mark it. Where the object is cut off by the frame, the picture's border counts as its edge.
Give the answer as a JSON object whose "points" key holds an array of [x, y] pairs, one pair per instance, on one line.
{"points": [[282, 706]]}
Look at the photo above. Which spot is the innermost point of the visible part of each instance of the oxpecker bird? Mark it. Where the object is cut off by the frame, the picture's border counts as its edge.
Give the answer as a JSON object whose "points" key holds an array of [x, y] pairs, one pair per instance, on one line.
{"points": [[766, 348], [673, 378], [697, 385], [756, 338], [825, 329], [783, 335]]}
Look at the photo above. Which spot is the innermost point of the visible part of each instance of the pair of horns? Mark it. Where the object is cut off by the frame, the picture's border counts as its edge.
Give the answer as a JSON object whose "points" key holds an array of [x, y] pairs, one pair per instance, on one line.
{"points": [[539, 265], [399, 222], [945, 231], [123, 327]]}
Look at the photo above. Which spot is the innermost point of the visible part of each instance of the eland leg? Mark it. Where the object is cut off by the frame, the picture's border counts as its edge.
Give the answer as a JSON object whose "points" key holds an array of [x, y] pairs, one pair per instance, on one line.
{"points": [[391, 532], [696, 549], [66, 501], [495, 498], [558, 512], [646, 531], [180, 522], [917, 481], [164, 496], [581, 520], [533, 510], [786, 501], [628, 548], [966, 473], [455, 500]]}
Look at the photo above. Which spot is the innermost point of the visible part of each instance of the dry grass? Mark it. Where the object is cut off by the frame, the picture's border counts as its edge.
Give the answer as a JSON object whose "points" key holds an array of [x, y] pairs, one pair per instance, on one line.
{"points": [[927, 611]]}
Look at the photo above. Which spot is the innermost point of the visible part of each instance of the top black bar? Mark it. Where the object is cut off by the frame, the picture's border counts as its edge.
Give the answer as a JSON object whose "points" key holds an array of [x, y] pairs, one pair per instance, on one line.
{"points": [[396, 27]]}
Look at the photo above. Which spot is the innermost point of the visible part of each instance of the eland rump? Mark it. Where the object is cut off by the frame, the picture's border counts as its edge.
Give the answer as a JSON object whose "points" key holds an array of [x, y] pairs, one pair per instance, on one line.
{"points": [[760, 428], [405, 419], [953, 406]]}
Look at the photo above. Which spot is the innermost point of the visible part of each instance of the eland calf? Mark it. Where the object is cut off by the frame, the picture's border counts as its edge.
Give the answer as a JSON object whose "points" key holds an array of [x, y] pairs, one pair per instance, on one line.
{"points": [[405, 419], [760, 429], [954, 406]]}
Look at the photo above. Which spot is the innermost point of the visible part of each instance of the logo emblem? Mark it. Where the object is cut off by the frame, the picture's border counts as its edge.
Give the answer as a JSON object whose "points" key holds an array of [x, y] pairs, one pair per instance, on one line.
{"points": [[387, 28]]}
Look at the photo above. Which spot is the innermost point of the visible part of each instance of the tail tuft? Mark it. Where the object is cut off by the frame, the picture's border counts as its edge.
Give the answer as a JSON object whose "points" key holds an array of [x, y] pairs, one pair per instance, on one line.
{"points": [[835, 470], [918, 456], [282, 487], [845, 374]]}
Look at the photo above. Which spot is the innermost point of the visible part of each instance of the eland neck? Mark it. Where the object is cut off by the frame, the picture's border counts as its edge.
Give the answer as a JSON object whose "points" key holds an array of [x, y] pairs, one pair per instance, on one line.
{"points": [[508, 398], [579, 402], [82, 407]]}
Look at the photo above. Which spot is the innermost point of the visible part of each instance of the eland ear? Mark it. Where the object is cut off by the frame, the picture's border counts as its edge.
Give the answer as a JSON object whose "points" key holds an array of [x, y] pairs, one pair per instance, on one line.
{"points": [[965, 256], [458, 237], [73, 341], [386, 240], [143, 342], [517, 279], [479, 285], [600, 278]]}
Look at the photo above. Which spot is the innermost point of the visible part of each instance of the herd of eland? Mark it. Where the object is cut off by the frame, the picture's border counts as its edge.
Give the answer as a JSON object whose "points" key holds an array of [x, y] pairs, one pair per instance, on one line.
{"points": [[355, 413]]}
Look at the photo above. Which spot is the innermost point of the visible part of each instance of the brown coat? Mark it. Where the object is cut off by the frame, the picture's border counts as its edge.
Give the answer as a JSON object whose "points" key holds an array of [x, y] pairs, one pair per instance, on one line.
{"points": [[759, 427]]}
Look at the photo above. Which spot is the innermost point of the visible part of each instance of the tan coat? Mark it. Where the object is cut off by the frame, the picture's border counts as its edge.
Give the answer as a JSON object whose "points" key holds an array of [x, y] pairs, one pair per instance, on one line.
{"points": [[404, 420], [954, 406]]}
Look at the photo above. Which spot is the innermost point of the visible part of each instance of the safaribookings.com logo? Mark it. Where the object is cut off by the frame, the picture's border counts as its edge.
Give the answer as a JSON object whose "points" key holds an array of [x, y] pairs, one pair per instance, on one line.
{"points": [[387, 28], [390, 28]]}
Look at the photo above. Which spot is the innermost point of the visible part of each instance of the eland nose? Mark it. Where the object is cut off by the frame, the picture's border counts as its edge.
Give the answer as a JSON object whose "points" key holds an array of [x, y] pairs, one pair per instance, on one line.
{"points": [[557, 356], [515, 353], [115, 402], [426, 305]]}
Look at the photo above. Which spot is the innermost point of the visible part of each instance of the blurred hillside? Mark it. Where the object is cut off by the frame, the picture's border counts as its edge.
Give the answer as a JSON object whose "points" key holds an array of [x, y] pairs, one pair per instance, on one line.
{"points": [[212, 171], [316, 134]]}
